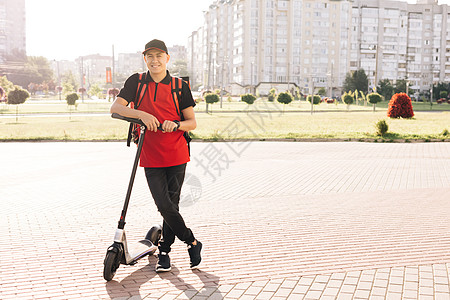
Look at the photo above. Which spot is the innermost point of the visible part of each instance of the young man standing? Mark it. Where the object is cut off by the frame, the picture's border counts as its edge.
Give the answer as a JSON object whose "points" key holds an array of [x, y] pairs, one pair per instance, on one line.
{"points": [[164, 153]]}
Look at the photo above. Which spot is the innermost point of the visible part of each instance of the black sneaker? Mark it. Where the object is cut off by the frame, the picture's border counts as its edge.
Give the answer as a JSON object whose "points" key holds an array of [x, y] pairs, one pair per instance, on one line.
{"points": [[163, 264], [194, 254]]}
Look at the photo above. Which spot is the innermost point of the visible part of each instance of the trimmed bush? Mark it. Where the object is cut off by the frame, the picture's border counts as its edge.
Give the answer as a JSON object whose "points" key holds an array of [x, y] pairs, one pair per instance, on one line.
{"points": [[400, 106], [285, 98], [72, 98], [211, 98], [316, 99], [18, 96], [374, 98], [348, 98], [248, 98]]}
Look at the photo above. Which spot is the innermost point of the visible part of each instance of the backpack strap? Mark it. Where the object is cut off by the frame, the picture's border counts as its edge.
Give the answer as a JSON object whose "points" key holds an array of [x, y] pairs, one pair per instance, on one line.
{"points": [[140, 92], [177, 84], [142, 88]]}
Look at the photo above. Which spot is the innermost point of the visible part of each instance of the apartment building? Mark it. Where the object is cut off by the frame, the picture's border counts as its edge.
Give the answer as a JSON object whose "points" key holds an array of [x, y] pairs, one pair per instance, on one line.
{"points": [[396, 40], [253, 45], [12, 29]]}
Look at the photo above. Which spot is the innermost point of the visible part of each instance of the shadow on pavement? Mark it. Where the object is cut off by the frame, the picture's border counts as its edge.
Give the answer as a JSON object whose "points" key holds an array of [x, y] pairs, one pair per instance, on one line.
{"points": [[130, 285], [210, 283]]}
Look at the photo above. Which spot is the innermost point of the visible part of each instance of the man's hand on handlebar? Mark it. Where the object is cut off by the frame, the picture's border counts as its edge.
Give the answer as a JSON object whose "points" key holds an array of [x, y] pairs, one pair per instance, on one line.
{"points": [[169, 126], [150, 121]]}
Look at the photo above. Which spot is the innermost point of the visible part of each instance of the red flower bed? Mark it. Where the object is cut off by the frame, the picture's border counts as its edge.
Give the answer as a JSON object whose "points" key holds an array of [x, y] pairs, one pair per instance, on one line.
{"points": [[400, 106]]}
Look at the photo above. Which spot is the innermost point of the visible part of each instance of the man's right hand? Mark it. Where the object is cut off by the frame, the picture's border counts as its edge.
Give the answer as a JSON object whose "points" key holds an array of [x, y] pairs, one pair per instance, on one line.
{"points": [[150, 121]]}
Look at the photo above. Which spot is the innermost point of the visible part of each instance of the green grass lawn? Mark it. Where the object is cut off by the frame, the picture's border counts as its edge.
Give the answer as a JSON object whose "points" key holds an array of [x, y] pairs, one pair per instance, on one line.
{"points": [[256, 124]]}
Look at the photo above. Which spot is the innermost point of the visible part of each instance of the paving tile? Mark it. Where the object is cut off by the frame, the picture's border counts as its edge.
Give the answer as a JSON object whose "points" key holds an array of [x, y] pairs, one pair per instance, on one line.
{"points": [[356, 221]]}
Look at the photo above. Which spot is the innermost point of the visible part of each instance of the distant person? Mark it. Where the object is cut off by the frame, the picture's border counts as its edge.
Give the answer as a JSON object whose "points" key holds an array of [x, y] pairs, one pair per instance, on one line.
{"points": [[164, 153]]}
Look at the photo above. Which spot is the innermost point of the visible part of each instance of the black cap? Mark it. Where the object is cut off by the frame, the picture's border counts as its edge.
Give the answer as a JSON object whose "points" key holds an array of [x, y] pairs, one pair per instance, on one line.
{"points": [[155, 44]]}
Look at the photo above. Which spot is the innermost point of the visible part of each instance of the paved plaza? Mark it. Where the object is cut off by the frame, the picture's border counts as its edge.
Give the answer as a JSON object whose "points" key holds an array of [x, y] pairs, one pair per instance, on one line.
{"points": [[278, 220]]}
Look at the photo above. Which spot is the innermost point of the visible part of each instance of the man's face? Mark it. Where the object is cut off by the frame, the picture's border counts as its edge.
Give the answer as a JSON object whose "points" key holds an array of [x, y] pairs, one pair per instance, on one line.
{"points": [[156, 61]]}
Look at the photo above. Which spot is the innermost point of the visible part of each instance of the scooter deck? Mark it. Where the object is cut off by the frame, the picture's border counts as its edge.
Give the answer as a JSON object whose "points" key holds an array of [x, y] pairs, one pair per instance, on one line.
{"points": [[141, 249]]}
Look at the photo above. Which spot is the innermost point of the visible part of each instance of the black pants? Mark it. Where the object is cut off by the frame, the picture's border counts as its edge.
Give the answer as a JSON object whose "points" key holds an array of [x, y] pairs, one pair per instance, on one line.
{"points": [[165, 185]]}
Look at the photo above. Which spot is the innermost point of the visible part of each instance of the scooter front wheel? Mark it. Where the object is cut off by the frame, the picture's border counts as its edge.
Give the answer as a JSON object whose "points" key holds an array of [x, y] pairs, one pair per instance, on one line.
{"points": [[111, 264]]}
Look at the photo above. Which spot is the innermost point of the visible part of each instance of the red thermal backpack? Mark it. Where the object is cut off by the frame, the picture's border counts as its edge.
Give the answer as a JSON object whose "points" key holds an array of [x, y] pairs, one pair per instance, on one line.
{"points": [[176, 85]]}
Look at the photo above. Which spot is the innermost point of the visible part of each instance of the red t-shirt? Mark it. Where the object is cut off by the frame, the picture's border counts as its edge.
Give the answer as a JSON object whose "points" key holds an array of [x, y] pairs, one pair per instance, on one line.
{"points": [[161, 149]]}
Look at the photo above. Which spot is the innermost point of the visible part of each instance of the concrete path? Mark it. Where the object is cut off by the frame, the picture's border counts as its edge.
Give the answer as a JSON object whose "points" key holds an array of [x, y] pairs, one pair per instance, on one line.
{"points": [[278, 220]]}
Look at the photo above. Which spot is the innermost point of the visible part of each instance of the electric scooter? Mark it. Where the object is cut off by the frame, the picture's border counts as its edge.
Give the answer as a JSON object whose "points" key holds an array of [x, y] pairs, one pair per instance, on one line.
{"points": [[119, 252]]}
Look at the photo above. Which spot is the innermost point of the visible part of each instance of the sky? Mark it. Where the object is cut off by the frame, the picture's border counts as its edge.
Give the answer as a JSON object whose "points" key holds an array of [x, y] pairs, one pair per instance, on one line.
{"points": [[67, 29]]}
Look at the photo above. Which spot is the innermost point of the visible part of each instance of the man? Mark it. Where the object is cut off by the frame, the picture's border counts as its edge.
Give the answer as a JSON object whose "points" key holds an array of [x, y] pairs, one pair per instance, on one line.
{"points": [[164, 153]]}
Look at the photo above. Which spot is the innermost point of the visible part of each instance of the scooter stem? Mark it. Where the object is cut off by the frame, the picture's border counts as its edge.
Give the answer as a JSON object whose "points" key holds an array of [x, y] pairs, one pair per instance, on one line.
{"points": [[133, 175]]}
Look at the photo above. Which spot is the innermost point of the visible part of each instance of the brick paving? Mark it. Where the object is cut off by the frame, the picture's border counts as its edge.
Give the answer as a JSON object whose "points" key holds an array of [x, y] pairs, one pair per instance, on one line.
{"points": [[279, 220]]}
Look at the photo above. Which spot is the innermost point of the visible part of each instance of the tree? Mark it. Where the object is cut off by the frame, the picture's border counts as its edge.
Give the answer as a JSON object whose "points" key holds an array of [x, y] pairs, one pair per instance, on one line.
{"points": [[95, 90], [72, 98], [248, 98], [71, 101], [348, 99], [356, 80], [321, 91], [272, 94], [82, 91], [67, 88], [34, 69], [6, 84], [16, 97], [316, 99], [285, 98], [112, 93], [400, 86], [211, 98], [400, 107], [69, 78], [385, 88], [374, 98], [179, 68]]}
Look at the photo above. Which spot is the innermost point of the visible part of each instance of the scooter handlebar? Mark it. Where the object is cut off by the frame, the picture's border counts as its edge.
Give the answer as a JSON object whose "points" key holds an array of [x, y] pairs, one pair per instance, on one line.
{"points": [[132, 120]]}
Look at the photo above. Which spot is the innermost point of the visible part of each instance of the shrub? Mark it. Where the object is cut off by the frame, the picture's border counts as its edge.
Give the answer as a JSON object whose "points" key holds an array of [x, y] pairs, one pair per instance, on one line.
{"points": [[382, 127], [374, 98], [248, 98], [72, 98], [400, 106], [443, 94], [316, 99], [211, 98], [285, 98], [348, 98], [272, 95], [2, 94], [112, 93], [18, 96]]}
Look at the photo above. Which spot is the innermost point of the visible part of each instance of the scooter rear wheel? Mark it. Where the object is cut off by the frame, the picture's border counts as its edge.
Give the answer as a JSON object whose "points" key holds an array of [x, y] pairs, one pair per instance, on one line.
{"points": [[112, 262], [154, 234]]}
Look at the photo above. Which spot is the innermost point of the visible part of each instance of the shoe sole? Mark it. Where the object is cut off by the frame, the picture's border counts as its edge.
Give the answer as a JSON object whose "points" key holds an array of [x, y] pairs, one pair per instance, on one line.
{"points": [[158, 270]]}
